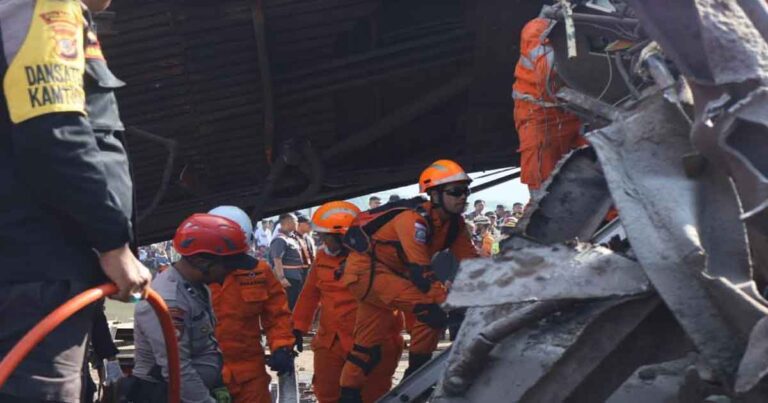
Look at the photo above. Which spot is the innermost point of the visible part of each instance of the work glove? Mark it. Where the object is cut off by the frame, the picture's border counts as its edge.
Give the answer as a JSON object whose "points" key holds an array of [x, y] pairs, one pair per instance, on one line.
{"points": [[221, 395], [421, 277], [112, 372], [281, 361], [431, 314], [350, 395], [299, 343]]}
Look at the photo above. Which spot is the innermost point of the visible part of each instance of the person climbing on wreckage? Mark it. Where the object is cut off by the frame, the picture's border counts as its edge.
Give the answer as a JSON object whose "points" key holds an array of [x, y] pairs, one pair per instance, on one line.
{"points": [[389, 268], [324, 293]]}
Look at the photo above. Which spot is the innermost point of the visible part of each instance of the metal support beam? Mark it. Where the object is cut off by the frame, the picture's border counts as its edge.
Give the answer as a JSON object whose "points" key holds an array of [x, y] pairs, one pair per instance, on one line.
{"points": [[257, 12]]}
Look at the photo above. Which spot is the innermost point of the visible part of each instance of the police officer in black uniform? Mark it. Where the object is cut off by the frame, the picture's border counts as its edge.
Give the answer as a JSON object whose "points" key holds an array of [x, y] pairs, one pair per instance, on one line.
{"points": [[65, 190]]}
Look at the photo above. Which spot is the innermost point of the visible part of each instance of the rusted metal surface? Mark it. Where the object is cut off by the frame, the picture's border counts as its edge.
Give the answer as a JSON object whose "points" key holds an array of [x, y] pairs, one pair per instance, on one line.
{"points": [[197, 74]]}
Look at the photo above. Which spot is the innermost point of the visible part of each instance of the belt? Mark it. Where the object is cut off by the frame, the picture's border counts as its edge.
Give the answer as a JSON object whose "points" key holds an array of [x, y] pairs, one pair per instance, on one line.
{"points": [[295, 267]]}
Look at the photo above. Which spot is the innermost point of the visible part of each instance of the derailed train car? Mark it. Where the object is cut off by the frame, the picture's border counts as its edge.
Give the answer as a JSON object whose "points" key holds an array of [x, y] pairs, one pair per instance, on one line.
{"points": [[665, 303], [283, 104]]}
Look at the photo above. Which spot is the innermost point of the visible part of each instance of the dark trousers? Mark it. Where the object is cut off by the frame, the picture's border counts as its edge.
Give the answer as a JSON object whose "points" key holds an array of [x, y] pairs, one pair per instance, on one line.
{"points": [[53, 369], [297, 284]]}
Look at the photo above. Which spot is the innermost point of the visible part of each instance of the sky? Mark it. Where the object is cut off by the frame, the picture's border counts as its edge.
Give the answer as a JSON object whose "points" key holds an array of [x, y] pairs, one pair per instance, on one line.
{"points": [[505, 193]]}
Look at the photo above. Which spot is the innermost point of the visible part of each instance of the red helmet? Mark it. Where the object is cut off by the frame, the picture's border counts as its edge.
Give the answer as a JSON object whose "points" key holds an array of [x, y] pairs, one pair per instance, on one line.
{"points": [[212, 234]]}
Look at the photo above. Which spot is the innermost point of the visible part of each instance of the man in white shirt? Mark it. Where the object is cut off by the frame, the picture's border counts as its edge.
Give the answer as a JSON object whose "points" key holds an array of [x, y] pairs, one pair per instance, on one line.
{"points": [[263, 234]]}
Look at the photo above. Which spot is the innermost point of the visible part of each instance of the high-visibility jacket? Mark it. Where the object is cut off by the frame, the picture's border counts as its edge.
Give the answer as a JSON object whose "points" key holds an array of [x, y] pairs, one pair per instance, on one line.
{"points": [[324, 289], [246, 303], [418, 240], [545, 130]]}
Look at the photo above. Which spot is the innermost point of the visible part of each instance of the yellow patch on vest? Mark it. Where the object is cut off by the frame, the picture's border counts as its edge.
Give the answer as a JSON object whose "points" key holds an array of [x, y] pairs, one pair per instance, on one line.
{"points": [[46, 75]]}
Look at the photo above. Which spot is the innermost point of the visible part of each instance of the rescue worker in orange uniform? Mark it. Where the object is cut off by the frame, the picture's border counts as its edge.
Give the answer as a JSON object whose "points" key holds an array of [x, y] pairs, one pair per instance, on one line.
{"points": [[483, 225], [396, 274], [247, 303], [337, 307], [546, 131]]}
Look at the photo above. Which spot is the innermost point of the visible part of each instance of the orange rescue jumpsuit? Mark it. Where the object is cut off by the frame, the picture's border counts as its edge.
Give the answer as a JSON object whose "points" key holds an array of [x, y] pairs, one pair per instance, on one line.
{"points": [[333, 341], [392, 289], [246, 303], [546, 131]]}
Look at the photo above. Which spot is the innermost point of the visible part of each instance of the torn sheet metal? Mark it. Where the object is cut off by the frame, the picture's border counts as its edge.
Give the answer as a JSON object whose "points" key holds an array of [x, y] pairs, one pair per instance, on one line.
{"points": [[754, 366], [528, 353], [642, 157], [570, 342], [540, 273], [654, 383], [575, 201], [595, 343]]}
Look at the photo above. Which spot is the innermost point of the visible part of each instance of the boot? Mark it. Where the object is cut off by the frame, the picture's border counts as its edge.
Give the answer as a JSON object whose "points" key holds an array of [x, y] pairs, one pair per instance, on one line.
{"points": [[415, 361], [350, 395]]}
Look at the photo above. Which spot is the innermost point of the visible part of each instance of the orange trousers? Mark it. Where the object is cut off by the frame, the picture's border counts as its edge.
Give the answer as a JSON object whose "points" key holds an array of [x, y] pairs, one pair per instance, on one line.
{"points": [[543, 144], [329, 362], [254, 390], [374, 317]]}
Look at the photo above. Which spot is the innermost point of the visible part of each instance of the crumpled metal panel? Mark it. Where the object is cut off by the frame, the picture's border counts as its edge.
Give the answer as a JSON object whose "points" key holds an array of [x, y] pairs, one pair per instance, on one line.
{"points": [[540, 273], [575, 201], [654, 383], [745, 142], [523, 358], [735, 50], [548, 359], [642, 156], [754, 365]]}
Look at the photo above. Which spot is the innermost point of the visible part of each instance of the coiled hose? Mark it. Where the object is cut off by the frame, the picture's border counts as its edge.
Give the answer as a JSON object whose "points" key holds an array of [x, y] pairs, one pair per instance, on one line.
{"points": [[60, 314]]}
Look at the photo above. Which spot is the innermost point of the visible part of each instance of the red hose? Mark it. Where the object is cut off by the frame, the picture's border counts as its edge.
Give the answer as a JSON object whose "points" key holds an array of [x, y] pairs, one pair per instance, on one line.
{"points": [[60, 314]]}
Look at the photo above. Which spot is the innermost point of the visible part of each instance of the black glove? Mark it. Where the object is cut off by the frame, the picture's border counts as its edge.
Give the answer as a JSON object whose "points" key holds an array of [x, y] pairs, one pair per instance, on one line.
{"points": [[421, 277], [431, 314], [281, 361], [299, 343], [350, 395]]}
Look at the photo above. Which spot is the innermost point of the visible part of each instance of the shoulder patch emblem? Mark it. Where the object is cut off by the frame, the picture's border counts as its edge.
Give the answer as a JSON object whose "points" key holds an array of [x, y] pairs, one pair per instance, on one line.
{"points": [[420, 233], [177, 316]]}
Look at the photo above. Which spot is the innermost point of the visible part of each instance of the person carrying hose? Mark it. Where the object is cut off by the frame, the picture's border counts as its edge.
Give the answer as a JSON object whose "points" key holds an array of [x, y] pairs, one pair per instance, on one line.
{"points": [[246, 304], [65, 189], [211, 247], [324, 293]]}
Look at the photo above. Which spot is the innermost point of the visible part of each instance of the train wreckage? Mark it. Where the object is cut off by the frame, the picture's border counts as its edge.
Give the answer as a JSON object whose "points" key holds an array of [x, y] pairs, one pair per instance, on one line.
{"points": [[663, 304]]}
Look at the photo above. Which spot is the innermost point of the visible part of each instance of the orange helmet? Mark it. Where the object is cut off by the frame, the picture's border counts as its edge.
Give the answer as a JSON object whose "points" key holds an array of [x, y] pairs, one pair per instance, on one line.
{"points": [[440, 173], [334, 217]]}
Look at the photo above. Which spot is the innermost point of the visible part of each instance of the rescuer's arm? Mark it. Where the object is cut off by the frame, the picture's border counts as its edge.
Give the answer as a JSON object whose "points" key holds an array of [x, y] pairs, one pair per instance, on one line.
{"points": [[306, 306], [276, 252], [57, 157], [276, 317], [192, 387]]}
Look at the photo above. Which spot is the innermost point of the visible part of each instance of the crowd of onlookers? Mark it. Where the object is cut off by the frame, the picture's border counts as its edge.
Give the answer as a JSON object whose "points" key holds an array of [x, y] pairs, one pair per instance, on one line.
{"points": [[490, 227], [487, 227]]}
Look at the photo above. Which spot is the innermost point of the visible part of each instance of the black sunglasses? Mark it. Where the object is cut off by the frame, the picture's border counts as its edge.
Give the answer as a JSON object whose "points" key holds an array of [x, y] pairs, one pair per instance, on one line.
{"points": [[458, 192]]}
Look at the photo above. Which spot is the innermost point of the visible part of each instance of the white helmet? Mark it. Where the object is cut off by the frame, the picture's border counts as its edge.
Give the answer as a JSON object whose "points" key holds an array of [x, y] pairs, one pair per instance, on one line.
{"points": [[239, 216]]}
